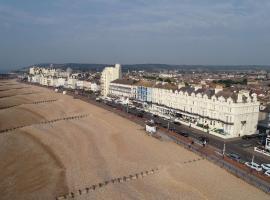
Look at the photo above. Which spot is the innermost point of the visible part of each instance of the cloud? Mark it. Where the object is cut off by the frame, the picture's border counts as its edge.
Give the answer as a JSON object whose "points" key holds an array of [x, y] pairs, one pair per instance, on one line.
{"points": [[58, 25], [149, 16]]}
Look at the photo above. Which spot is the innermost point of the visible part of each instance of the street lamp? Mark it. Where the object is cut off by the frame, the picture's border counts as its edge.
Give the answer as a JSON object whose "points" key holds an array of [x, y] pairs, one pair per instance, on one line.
{"points": [[127, 107], [169, 122], [252, 160], [224, 149]]}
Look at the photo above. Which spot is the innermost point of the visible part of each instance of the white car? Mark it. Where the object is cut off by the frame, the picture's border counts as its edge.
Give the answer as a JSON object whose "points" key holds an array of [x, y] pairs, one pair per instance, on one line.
{"points": [[266, 167], [267, 173], [254, 165]]}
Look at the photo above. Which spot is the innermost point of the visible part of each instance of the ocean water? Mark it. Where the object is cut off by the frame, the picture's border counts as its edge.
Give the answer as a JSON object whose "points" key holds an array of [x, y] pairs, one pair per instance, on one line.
{"points": [[4, 71]]}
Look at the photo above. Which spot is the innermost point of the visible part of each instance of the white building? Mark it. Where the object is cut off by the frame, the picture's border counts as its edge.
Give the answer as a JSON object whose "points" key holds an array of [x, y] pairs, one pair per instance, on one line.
{"points": [[219, 111], [222, 113], [32, 70], [95, 87], [108, 75], [123, 88], [61, 82], [81, 84], [71, 83]]}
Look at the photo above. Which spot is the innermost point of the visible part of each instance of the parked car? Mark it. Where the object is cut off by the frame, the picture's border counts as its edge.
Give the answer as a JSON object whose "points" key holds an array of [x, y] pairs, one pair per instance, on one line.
{"points": [[164, 125], [185, 134], [246, 145], [140, 114], [247, 137], [172, 129], [158, 123], [177, 123], [203, 138], [267, 173], [254, 165], [234, 156], [266, 167]]}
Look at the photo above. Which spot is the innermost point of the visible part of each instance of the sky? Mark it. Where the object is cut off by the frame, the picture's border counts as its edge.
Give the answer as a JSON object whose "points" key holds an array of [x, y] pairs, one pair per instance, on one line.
{"points": [[207, 32]]}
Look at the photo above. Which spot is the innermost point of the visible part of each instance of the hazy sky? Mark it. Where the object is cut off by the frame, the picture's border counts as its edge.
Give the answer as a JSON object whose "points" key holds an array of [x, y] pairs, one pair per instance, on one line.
{"points": [[134, 31]]}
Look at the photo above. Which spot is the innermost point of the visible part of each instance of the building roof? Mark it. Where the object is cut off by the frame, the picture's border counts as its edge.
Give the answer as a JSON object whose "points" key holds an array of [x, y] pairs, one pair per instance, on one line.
{"points": [[125, 81], [226, 93]]}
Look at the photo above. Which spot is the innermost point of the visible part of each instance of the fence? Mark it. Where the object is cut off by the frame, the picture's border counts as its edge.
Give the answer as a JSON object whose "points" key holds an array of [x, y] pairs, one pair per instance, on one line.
{"points": [[75, 117], [93, 188]]}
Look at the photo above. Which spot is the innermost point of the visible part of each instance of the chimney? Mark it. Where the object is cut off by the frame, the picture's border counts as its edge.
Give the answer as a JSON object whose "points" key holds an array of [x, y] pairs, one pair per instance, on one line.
{"points": [[218, 88], [196, 87], [239, 97], [254, 97]]}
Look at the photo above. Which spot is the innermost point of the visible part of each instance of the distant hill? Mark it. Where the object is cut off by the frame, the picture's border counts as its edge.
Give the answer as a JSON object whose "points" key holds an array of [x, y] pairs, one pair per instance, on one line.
{"points": [[155, 67]]}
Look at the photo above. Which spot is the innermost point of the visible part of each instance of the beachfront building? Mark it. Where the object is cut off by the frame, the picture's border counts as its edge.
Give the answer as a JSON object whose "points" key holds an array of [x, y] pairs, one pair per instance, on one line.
{"points": [[83, 85], [61, 82], [95, 87], [71, 83], [87, 85], [222, 112], [123, 88], [144, 93], [108, 75]]}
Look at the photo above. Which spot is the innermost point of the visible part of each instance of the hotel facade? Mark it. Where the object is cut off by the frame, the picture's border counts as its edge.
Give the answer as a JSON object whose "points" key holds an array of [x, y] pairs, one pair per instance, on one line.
{"points": [[220, 112]]}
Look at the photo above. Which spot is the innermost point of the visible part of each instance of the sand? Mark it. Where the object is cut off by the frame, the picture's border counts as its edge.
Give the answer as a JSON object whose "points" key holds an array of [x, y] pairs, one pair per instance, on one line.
{"points": [[43, 161]]}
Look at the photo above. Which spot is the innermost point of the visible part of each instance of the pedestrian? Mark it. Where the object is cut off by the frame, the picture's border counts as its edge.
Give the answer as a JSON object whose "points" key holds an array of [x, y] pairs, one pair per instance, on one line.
{"points": [[204, 143]]}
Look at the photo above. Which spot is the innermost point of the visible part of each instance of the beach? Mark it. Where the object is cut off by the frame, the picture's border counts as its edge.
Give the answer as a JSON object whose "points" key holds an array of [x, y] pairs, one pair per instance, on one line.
{"points": [[55, 144]]}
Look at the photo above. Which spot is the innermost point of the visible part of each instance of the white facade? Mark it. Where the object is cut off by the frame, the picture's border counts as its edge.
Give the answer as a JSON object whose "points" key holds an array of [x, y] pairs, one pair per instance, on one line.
{"points": [[71, 83], [108, 75], [86, 85], [61, 82], [79, 84], [224, 117], [32, 70], [122, 90], [95, 87], [47, 72], [43, 80], [221, 113]]}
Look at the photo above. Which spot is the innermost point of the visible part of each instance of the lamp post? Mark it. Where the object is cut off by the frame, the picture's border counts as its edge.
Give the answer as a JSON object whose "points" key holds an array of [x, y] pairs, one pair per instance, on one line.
{"points": [[127, 107], [252, 160], [224, 149], [169, 122]]}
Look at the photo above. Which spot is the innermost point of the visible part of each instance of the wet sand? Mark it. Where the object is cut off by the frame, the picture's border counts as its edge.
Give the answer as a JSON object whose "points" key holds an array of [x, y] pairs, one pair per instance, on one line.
{"points": [[42, 161]]}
